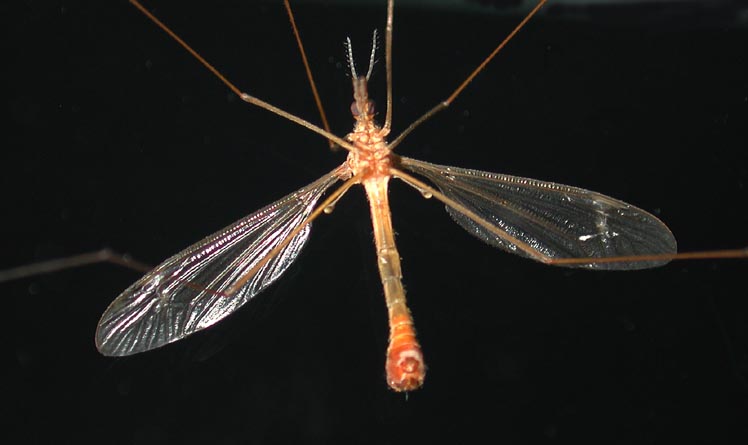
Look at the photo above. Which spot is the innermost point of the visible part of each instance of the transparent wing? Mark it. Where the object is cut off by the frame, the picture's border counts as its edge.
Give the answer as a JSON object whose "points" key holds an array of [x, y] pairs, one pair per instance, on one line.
{"points": [[554, 220], [185, 293]]}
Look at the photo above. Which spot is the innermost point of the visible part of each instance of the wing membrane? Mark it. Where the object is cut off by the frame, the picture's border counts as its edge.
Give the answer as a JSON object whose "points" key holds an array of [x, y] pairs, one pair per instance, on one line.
{"points": [[184, 294], [556, 221]]}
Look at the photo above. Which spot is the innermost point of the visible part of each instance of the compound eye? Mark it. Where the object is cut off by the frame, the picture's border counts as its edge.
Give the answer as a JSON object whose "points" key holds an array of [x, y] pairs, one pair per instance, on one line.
{"points": [[369, 108]]}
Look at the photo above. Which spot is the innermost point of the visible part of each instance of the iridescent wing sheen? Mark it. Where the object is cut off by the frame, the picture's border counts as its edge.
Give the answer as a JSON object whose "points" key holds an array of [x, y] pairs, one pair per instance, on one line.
{"points": [[186, 293], [553, 220]]}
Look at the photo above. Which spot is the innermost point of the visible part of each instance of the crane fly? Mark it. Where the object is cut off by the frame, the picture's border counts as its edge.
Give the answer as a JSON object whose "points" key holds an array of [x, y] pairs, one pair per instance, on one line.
{"points": [[543, 221]]}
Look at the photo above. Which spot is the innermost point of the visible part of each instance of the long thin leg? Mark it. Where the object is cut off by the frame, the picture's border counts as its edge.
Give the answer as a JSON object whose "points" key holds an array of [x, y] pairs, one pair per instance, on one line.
{"points": [[84, 259], [388, 62], [448, 101], [244, 96], [308, 70]]}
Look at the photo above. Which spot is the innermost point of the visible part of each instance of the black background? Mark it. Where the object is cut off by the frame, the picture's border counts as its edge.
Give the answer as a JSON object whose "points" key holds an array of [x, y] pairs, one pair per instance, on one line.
{"points": [[118, 138]]}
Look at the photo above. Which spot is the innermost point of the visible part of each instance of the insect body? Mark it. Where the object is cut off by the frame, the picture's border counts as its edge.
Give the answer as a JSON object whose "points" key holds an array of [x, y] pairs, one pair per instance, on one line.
{"points": [[547, 222], [543, 221]]}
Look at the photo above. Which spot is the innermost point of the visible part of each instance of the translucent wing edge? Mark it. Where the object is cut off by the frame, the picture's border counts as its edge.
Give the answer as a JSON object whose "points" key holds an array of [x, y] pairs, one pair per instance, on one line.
{"points": [[437, 174], [122, 331]]}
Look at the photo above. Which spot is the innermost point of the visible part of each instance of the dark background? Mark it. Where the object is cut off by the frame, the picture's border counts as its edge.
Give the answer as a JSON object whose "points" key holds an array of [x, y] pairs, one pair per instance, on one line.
{"points": [[118, 138]]}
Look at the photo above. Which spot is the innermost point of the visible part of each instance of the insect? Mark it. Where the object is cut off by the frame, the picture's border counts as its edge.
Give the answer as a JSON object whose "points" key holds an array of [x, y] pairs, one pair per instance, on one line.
{"points": [[544, 221]]}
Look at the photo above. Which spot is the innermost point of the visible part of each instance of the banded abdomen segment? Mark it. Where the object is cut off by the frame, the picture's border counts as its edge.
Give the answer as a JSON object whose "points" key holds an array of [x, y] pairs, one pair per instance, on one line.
{"points": [[405, 367]]}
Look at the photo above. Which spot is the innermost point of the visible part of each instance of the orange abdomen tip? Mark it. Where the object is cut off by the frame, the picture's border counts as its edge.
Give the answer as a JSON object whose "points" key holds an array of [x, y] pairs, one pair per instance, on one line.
{"points": [[405, 367]]}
